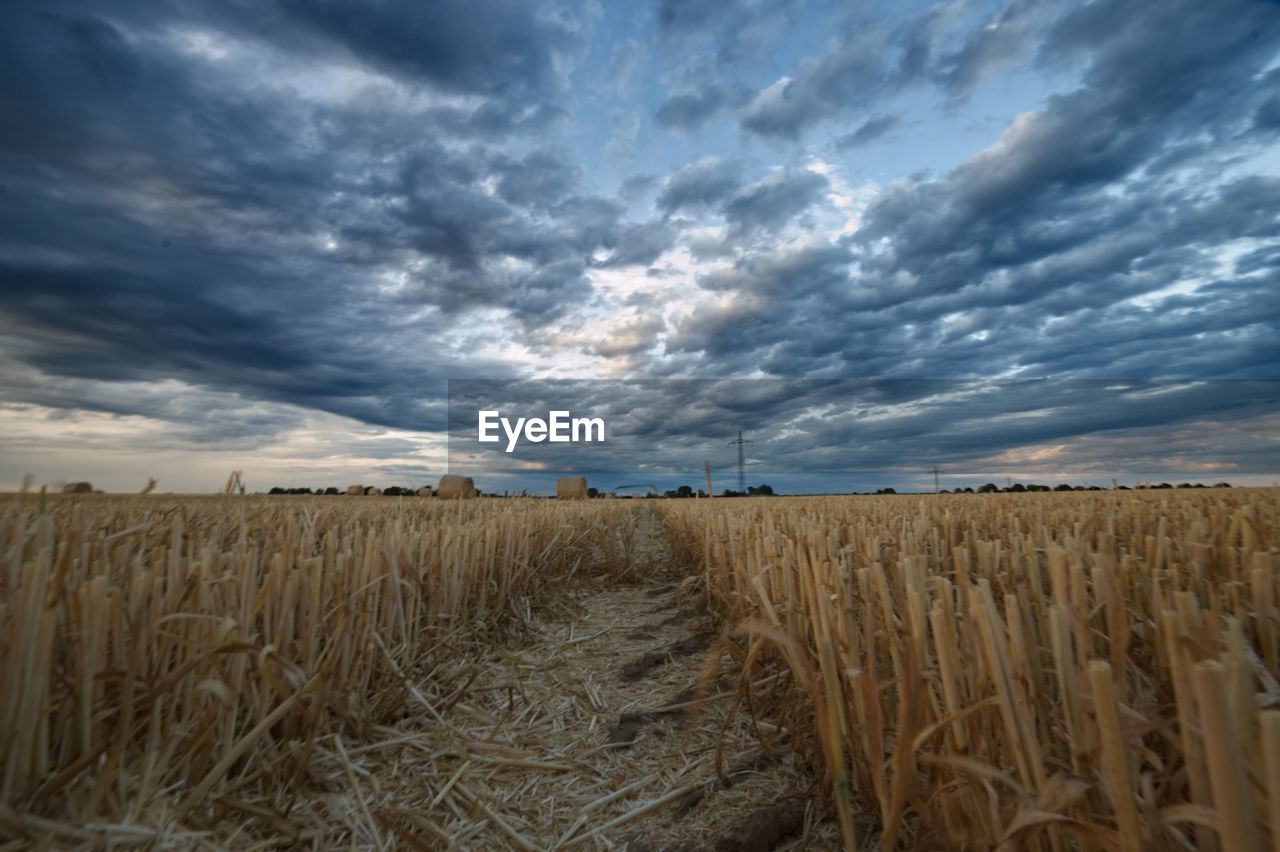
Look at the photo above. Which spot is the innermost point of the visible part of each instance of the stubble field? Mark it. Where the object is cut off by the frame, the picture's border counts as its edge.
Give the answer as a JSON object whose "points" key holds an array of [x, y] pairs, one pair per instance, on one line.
{"points": [[1086, 670]]}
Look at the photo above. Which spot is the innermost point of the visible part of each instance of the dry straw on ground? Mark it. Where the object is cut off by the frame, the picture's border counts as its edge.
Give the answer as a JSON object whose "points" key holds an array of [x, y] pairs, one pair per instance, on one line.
{"points": [[1091, 671], [1043, 671], [170, 663]]}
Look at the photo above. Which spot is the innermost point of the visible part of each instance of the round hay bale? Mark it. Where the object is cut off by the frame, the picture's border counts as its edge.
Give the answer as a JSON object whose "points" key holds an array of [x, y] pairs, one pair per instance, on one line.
{"points": [[77, 488], [424, 491], [355, 489], [571, 488], [373, 491], [454, 487]]}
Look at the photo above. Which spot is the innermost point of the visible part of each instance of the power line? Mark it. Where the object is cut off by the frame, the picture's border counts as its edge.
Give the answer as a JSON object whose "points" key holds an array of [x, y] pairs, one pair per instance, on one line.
{"points": [[742, 475]]}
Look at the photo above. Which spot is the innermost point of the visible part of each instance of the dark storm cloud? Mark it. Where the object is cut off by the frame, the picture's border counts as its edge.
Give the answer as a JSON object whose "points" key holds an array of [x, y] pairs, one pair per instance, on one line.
{"points": [[635, 187], [1062, 249], [542, 178], [773, 293], [72, 326], [501, 54], [195, 416], [97, 45], [640, 244], [1004, 38], [772, 201], [1259, 260], [494, 121], [869, 425], [505, 50], [701, 184], [790, 275], [741, 30], [1268, 115], [1040, 210], [872, 129], [678, 16], [167, 215], [689, 111], [848, 78], [866, 62]]}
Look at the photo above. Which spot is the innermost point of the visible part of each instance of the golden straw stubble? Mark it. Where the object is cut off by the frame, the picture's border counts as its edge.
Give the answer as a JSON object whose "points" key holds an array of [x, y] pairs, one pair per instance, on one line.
{"points": [[1133, 631]]}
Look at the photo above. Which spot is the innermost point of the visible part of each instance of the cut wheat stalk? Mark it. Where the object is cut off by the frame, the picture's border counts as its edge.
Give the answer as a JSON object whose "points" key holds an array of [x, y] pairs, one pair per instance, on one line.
{"points": [[1232, 793]]}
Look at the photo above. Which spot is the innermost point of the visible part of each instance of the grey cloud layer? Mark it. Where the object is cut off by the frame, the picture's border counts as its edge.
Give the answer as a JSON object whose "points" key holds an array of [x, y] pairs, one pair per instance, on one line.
{"points": [[668, 427], [345, 213], [167, 217], [1036, 254]]}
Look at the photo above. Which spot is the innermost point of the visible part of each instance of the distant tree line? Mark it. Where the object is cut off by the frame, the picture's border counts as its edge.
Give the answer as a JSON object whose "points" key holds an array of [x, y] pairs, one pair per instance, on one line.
{"points": [[686, 492], [1018, 488], [752, 491], [392, 491], [683, 492]]}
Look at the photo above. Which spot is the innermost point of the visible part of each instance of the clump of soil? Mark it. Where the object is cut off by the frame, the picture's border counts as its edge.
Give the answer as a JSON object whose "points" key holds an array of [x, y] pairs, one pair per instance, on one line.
{"points": [[639, 668], [763, 830]]}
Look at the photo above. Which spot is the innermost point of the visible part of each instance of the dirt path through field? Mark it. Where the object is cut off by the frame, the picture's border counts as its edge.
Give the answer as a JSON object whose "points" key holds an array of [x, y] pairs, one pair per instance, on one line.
{"points": [[583, 735]]}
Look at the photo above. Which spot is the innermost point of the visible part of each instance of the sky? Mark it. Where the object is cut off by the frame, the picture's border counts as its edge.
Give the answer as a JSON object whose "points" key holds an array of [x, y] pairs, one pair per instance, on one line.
{"points": [[1021, 240]]}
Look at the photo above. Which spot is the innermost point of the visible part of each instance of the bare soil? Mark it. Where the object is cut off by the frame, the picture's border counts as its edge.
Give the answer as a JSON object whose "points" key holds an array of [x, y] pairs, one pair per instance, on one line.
{"points": [[586, 734]]}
